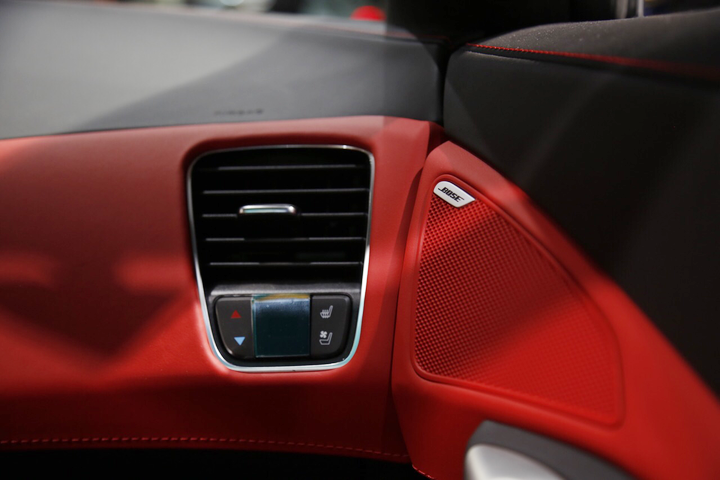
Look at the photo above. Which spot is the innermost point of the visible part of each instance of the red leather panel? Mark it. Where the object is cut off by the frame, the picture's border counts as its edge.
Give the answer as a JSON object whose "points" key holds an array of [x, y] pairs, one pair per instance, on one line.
{"points": [[102, 341], [670, 422], [495, 312]]}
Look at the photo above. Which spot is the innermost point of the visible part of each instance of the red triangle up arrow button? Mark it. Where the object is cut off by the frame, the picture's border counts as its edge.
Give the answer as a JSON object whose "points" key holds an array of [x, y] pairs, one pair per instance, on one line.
{"points": [[235, 314]]}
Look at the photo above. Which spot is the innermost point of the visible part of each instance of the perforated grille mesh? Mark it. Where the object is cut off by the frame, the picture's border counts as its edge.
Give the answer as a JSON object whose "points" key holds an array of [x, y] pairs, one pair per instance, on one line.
{"points": [[494, 313]]}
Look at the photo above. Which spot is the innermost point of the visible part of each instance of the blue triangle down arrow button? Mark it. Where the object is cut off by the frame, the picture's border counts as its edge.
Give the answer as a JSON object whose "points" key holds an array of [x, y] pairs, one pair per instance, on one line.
{"points": [[240, 340]]}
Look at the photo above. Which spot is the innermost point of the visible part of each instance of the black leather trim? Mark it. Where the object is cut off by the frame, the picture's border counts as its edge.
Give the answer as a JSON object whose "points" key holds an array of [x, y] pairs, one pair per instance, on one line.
{"points": [[685, 45], [80, 67], [655, 68], [683, 38], [629, 166]]}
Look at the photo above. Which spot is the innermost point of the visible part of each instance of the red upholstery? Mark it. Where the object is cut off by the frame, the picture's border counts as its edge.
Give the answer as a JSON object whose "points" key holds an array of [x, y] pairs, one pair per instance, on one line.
{"points": [[669, 422], [102, 341]]}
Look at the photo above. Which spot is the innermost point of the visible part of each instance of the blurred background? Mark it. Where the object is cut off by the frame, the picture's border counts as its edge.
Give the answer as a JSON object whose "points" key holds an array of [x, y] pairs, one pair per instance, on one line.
{"points": [[355, 9], [377, 10]]}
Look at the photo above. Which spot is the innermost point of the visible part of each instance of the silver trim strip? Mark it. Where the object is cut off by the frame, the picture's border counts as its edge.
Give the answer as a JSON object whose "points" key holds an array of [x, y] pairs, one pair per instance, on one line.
{"points": [[488, 462], [201, 288], [274, 209]]}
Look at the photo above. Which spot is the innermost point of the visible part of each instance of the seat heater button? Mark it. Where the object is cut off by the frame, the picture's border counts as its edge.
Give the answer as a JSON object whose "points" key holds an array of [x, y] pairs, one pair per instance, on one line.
{"points": [[329, 319]]}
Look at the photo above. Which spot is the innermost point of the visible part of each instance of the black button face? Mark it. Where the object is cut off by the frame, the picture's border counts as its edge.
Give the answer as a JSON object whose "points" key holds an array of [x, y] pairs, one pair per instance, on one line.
{"points": [[282, 325], [234, 319], [329, 318]]}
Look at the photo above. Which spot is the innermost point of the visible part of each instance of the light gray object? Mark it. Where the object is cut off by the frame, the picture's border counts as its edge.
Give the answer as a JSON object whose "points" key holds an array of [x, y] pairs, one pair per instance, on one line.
{"points": [[77, 67], [566, 461], [486, 462]]}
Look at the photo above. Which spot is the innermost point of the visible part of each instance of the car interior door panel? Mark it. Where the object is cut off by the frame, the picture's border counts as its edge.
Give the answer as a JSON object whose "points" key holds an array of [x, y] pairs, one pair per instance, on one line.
{"points": [[442, 246], [521, 316]]}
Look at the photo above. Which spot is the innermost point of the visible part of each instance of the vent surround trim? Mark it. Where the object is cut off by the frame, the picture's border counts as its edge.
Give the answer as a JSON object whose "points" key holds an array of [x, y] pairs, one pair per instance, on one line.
{"points": [[201, 289]]}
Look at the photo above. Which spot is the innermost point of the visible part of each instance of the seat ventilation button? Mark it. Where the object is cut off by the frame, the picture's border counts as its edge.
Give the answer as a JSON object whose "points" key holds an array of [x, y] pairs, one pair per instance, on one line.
{"points": [[329, 317]]}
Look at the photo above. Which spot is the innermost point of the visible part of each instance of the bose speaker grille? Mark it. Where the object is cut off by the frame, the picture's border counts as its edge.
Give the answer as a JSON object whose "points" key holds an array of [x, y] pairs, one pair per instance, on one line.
{"points": [[496, 313]]}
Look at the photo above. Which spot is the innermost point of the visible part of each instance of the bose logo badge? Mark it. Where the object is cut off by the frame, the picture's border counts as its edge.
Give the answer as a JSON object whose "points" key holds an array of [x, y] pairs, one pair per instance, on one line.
{"points": [[453, 194]]}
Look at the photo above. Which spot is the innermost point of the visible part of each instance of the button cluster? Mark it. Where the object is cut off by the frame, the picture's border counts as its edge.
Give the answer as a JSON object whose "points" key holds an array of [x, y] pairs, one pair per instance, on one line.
{"points": [[328, 325], [234, 317], [283, 325]]}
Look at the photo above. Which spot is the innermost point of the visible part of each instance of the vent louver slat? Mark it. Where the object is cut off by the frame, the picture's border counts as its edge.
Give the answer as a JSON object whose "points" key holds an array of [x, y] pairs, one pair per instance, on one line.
{"points": [[325, 241]]}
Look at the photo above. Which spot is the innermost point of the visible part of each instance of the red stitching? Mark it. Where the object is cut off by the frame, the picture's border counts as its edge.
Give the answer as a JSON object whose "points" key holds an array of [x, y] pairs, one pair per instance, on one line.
{"points": [[423, 473], [193, 439], [702, 71]]}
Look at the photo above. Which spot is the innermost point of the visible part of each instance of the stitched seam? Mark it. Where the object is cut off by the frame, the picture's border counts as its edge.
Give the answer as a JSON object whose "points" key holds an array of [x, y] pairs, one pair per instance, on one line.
{"points": [[703, 71], [36, 441], [423, 473]]}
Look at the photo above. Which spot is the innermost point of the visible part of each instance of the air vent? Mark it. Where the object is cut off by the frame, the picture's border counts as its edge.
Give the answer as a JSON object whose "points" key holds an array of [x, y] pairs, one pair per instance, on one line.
{"points": [[314, 231]]}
